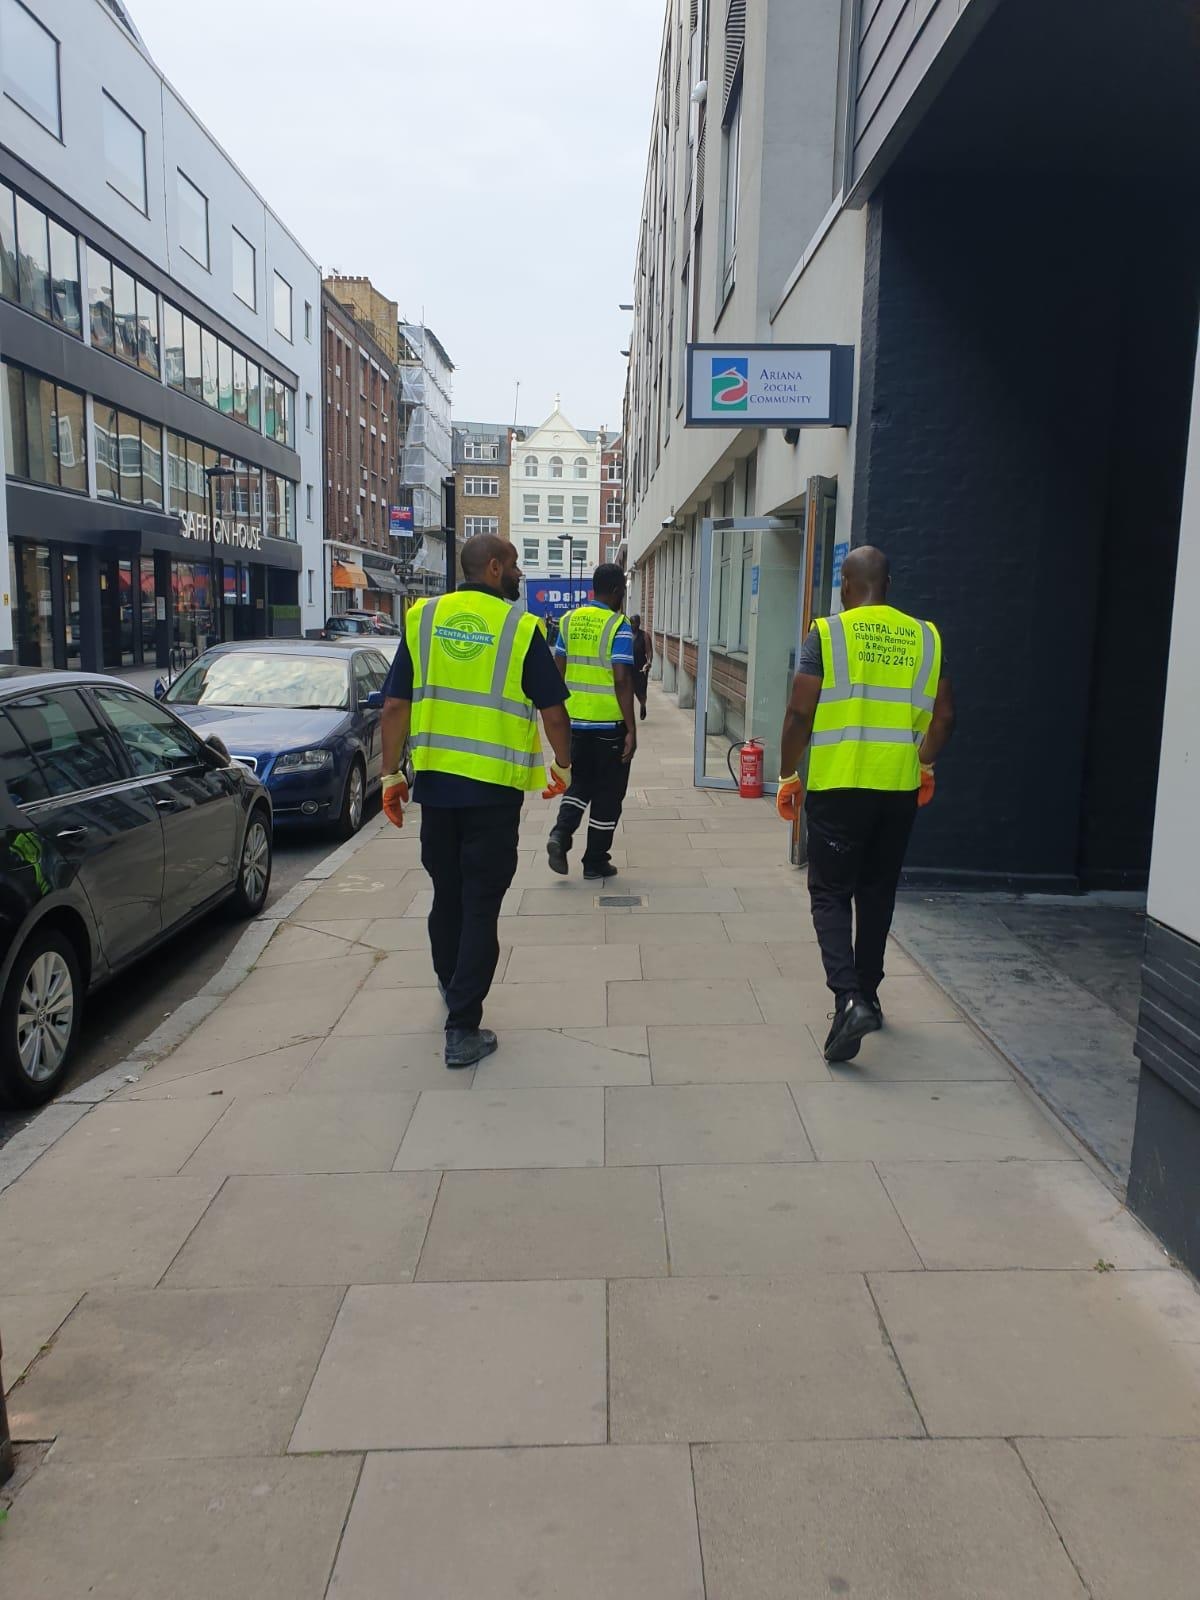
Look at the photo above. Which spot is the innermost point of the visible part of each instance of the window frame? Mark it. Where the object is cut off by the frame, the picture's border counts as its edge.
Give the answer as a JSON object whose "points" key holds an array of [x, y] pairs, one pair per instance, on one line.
{"points": [[278, 278], [144, 207], [252, 303], [17, 97], [182, 184], [13, 467]]}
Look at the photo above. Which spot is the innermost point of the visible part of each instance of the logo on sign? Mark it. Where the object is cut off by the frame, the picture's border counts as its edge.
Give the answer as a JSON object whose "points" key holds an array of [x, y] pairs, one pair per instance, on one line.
{"points": [[730, 383], [465, 636]]}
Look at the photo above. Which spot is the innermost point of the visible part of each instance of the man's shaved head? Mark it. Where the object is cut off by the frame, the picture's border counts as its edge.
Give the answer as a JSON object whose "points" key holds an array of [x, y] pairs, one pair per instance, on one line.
{"points": [[479, 552], [866, 575]]}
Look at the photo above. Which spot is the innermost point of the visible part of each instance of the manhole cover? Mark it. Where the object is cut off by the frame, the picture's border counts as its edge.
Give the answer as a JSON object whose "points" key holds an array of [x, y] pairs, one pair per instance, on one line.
{"points": [[618, 899]]}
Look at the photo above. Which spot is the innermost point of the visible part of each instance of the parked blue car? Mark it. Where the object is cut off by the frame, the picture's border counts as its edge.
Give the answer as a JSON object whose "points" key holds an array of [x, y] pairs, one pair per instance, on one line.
{"points": [[302, 715]]}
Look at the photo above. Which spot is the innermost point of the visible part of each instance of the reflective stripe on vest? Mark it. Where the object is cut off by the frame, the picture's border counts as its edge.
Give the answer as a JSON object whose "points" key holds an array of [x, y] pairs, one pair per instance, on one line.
{"points": [[589, 675], [877, 695], [470, 715]]}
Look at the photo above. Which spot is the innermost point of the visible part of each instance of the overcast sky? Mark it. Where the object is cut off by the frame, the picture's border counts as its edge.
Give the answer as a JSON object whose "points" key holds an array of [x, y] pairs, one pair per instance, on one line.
{"points": [[481, 162]]}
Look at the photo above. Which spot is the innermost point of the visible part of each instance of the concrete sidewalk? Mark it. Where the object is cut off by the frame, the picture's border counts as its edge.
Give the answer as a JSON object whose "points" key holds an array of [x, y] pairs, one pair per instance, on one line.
{"points": [[652, 1306]]}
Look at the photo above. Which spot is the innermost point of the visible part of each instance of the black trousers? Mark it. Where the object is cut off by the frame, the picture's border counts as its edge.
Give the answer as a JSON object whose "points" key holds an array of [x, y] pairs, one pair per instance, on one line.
{"points": [[641, 683], [599, 779], [470, 852], [856, 844]]}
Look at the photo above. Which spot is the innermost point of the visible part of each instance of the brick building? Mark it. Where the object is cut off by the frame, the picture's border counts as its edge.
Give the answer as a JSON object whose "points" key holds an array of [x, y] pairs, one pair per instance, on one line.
{"points": [[482, 466], [612, 499]]}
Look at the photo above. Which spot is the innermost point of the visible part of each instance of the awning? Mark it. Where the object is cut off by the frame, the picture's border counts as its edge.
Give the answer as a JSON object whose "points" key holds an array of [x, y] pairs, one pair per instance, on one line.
{"points": [[387, 581], [348, 576]]}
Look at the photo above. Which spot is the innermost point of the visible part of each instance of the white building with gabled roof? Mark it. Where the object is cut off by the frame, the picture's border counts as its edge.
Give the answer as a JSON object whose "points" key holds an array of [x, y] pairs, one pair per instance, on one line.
{"points": [[554, 496]]}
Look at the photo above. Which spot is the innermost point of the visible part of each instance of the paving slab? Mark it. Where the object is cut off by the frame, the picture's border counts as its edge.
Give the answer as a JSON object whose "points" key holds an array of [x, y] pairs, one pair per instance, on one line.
{"points": [[920, 1052], [584, 925], [274, 1072], [168, 1373], [672, 899], [691, 961], [566, 1223], [306, 1133], [295, 945], [404, 969], [926, 1122], [190, 1530], [769, 927], [665, 928], [582, 1004], [290, 1231], [376, 1063], [722, 1054], [27, 1323], [388, 895], [751, 1358], [491, 1128], [121, 1139], [392, 1011], [995, 1214], [683, 1124], [1048, 1354], [887, 1519], [816, 1217], [531, 1058], [423, 1365], [91, 1233], [574, 965], [237, 1033], [683, 1000], [797, 999], [321, 992], [1126, 1510], [591, 1524], [790, 898]]}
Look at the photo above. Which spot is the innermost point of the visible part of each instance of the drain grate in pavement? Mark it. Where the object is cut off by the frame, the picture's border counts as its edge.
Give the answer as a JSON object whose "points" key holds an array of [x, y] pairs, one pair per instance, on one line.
{"points": [[618, 900]]}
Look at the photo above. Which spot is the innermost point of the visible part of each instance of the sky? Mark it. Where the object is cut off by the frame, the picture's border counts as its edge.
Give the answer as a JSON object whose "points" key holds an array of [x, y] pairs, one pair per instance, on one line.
{"points": [[481, 161]]}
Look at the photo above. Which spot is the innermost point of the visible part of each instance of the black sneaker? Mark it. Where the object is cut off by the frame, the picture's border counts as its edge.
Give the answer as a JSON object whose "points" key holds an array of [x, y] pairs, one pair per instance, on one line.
{"points": [[605, 870], [556, 853], [466, 1046], [853, 1020], [873, 1001], [643, 715]]}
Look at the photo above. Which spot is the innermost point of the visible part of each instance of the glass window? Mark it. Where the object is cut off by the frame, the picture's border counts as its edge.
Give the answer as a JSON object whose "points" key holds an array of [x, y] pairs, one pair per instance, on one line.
{"points": [[283, 308], [16, 443], [197, 488], [30, 577], [579, 508], [269, 392], [153, 740], [124, 153], [39, 429], [553, 553], [244, 279], [147, 321], [364, 682], [71, 439], [270, 505], [100, 299], [224, 377], [108, 472], [239, 386], [33, 247], [208, 367], [64, 279], [129, 454], [9, 276], [125, 330], [18, 770], [531, 512], [152, 480], [241, 678], [307, 320], [193, 218], [531, 556], [556, 467], [253, 409], [29, 64], [531, 466], [173, 344], [554, 508], [71, 747], [581, 466], [730, 182], [177, 500], [192, 364]]}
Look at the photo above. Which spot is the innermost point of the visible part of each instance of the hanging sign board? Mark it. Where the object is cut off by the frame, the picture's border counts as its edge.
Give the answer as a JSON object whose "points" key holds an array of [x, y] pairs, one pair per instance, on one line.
{"points": [[769, 385]]}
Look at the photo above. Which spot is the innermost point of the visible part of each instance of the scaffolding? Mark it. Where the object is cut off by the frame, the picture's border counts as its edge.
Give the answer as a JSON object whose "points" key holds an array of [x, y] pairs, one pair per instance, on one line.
{"points": [[426, 455]]}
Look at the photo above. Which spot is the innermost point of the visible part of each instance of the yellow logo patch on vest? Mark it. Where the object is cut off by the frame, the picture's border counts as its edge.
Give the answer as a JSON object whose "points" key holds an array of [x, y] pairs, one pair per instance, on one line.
{"points": [[464, 636]]}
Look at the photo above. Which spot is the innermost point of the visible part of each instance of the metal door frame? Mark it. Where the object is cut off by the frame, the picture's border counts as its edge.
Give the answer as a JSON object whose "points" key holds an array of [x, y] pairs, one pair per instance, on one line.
{"points": [[709, 525]]}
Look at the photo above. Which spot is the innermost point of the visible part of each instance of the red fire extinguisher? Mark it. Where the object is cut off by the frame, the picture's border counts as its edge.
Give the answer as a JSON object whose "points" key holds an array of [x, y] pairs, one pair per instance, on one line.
{"points": [[750, 775]]}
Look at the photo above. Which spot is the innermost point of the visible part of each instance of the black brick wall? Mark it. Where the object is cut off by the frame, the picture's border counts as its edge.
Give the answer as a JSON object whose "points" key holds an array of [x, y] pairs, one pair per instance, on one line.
{"points": [[995, 316]]}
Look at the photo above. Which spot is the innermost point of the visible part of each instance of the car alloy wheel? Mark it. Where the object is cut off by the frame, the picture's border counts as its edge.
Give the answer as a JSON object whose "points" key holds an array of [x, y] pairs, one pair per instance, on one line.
{"points": [[45, 1016], [256, 862], [354, 801]]}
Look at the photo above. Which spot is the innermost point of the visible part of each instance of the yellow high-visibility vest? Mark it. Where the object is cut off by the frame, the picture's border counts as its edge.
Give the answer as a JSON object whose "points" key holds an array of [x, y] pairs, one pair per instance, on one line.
{"points": [[881, 677], [588, 633], [470, 715]]}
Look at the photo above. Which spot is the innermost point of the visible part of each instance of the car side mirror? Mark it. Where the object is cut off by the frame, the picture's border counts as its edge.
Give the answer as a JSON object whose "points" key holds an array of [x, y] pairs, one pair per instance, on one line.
{"points": [[375, 700], [218, 752]]}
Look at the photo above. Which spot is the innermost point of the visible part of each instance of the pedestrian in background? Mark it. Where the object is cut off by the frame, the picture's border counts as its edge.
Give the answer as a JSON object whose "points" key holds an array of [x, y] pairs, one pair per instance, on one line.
{"points": [[595, 655], [643, 655], [872, 705], [465, 686]]}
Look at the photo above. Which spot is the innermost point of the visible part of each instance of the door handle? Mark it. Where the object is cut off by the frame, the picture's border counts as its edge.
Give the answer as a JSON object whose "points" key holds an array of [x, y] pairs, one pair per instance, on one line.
{"points": [[69, 835], [170, 805]]}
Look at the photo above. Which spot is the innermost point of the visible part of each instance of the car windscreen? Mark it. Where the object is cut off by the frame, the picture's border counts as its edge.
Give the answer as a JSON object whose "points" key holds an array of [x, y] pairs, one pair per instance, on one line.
{"points": [[252, 678]]}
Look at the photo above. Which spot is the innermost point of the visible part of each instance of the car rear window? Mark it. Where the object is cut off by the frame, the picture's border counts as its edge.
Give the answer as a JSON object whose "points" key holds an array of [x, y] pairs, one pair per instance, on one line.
{"points": [[71, 747], [22, 778]]}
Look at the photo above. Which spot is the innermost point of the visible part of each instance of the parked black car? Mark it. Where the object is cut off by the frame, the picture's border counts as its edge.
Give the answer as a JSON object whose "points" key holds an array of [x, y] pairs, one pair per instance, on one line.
{"points": [[118, 826]]}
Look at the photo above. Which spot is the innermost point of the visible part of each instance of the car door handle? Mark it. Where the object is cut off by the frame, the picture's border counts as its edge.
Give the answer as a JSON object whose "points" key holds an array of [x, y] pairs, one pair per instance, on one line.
{"points": [[171, 805], [69, 835]]}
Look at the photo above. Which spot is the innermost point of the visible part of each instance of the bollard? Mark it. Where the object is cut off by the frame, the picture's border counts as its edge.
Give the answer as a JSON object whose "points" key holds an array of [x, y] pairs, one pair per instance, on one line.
{"points": [[7, 1465]]}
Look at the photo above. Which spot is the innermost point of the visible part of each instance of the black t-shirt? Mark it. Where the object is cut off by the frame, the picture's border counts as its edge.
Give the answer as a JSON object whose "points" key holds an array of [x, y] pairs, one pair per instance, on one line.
{"points": [[541, 682]]}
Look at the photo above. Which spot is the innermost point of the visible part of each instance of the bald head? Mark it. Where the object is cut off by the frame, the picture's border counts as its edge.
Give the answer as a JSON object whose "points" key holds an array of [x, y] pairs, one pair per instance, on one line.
{"points": [[865, 577], [479, 552]]}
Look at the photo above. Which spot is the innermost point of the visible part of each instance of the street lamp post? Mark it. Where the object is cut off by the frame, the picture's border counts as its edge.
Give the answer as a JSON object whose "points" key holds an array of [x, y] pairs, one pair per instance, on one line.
{"points": [[565, 539], [216, 584]]}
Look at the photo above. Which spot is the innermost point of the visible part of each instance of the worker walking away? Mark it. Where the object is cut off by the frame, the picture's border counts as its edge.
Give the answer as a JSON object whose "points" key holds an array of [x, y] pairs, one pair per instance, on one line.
{"points": [[595, 656], [643, 655], [467, 681], [872, 705]]}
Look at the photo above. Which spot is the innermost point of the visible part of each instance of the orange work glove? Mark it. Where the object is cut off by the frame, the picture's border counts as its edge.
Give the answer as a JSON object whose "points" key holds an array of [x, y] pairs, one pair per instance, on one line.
{"points": [[560, 781], [928, 784], [789, 797], [395, 797]]}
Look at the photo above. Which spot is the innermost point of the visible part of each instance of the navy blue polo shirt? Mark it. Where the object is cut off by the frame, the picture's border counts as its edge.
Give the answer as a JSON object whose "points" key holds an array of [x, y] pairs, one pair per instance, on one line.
{"points": [[541, 682]]}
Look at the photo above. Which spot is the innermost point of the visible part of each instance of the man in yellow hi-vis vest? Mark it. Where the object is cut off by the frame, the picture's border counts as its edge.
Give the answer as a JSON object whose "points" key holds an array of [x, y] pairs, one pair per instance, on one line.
{"points": [[467, 682], [872, 705], [595, 655]]}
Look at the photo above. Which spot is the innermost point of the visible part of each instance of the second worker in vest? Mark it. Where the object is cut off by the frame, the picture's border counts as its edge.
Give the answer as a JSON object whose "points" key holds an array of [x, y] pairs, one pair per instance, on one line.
{"points": [[872, 705], [595, 656], [466, 683]]}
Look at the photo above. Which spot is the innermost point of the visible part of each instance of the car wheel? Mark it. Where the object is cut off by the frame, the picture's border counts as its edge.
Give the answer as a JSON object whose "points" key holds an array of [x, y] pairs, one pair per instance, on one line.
{"points": [[354, 799], [39, 1019], [254, 873]]}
